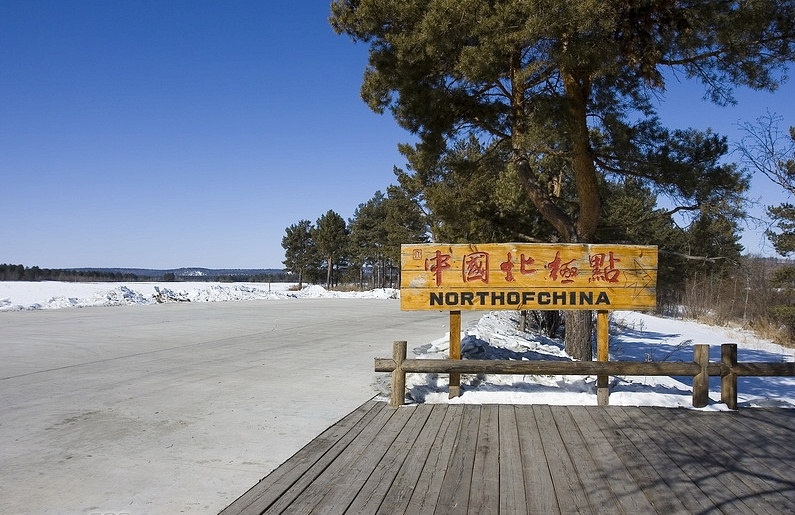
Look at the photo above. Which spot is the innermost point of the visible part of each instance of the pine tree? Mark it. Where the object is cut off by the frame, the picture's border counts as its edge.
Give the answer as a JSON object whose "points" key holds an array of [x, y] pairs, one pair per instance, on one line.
{"points": [[331, 238], [567, 88], [468, 196], [368, 237], [404, 222], [300, 249]]}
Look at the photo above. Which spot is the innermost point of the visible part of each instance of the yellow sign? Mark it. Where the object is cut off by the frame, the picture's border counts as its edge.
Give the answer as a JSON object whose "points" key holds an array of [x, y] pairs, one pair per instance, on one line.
{"points": [[527, 276]]}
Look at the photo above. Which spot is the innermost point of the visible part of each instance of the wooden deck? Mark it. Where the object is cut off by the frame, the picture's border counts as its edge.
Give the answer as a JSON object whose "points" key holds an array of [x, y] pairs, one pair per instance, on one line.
{"points": [[537, 459]]}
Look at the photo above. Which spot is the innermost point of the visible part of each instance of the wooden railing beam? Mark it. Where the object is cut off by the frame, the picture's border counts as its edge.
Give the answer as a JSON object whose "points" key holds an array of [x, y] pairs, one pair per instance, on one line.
{"points": [[700, 369]]}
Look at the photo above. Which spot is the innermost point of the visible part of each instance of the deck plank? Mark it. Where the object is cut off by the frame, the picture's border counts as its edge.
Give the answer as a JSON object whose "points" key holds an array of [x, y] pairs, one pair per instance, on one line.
{"points": [[512, 495], [568, 488], [682, 449], [763, 449], [484, 495], [771, 438], [429, 485], [611, 472], [641, 461], [457, 482], [728, 454], [338, 485], [397, 498], [342, 474], [636, 429], [537, 459], [383, 475], [597, 491], [705, 448], [538, 482]]}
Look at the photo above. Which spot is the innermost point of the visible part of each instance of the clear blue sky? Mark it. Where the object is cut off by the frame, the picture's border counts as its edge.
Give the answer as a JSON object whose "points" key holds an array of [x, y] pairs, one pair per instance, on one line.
{"points": [[163, 134]]}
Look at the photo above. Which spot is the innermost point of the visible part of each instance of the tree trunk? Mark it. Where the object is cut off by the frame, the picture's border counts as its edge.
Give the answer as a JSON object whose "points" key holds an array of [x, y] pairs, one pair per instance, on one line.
{"points": [[585, 176], [579, 327], [581, 229], [579, 324], [328, 272]]}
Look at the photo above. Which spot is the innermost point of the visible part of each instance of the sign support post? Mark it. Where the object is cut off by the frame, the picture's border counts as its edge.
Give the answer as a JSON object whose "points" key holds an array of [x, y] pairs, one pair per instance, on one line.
{"points": [[455, 352], [602, 354]]}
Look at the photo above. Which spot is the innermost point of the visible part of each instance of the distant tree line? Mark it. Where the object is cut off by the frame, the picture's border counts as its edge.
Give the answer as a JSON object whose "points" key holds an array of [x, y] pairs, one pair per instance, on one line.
{"points": [[281, 277], [34, 273]]}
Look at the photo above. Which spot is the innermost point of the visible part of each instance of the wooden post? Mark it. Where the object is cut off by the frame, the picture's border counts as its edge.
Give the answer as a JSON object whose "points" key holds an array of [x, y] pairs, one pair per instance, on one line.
{"points": [[701, 380], [455, 352], [398, 375], [602, 354], [728, 378]]}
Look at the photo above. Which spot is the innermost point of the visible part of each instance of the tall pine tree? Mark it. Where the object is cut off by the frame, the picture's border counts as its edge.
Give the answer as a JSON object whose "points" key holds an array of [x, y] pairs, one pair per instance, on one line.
{"points": [[567, 89], [331, 238], [300, 253]]}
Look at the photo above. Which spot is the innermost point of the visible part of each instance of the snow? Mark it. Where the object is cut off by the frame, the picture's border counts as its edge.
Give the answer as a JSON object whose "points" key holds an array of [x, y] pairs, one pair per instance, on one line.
{"points": [[633, 337], [16, 296], [494, 335]]}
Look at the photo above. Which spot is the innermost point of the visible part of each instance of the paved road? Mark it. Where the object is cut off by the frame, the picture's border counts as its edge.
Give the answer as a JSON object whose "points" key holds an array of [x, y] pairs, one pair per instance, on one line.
{"points": [[179, 407]]}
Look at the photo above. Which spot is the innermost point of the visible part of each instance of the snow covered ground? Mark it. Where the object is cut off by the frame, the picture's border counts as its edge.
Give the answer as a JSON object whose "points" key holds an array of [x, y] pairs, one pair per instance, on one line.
{"points": [[19, 295], [633, 337]]}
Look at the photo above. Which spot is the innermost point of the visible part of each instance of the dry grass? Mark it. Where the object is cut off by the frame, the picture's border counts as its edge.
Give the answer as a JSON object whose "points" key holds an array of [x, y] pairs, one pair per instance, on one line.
{"points": [[762, 327], [768, 329]]}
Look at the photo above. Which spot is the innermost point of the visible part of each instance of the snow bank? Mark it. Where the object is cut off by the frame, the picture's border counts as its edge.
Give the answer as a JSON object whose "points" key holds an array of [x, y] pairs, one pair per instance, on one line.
{"points": [[633, 337], [16, 296]]}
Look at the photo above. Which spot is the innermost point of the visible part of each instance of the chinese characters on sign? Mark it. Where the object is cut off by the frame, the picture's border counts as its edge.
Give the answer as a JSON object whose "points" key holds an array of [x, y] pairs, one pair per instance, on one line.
{"points": [[438, 264], [528, 276], [476, 267], [604, 267], [525, 264]]}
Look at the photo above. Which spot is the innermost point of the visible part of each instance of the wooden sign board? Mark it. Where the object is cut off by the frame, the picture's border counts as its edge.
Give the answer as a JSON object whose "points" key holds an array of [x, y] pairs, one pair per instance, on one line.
{"points": [[518, 276]]}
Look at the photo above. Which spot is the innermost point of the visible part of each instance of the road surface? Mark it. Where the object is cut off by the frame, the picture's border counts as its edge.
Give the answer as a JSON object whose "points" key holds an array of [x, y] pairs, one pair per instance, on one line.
{"points": [[179, 408]]}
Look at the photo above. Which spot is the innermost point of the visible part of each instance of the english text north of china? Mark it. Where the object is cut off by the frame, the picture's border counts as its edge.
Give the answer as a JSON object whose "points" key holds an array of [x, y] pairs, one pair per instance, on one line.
{"points": [[519, 298]]}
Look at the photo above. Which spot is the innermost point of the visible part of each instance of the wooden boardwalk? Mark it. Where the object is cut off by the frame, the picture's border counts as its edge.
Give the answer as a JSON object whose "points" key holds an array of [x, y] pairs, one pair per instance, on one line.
{"points": [[537, 459]]}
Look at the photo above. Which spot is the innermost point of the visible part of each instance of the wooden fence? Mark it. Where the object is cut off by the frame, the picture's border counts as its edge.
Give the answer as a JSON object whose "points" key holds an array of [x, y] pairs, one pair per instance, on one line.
{"points": [[700, 369]]}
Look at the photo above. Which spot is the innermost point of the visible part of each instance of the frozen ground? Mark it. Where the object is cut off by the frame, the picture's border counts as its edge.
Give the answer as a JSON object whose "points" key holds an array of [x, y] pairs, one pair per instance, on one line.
{"points": [[157, 405]]}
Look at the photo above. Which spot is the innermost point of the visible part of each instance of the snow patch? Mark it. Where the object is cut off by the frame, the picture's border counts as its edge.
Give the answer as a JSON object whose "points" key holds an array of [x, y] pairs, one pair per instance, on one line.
{"points": [[633, 337]]}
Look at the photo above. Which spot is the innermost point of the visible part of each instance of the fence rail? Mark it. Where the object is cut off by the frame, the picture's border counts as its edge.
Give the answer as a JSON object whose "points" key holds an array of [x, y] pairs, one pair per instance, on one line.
{"points": [[700, 369]]}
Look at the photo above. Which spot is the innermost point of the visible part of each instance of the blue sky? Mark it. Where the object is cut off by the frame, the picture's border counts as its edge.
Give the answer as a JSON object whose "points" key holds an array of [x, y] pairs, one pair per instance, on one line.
{"points": [[163, 134]]}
